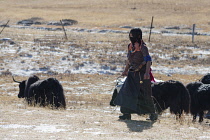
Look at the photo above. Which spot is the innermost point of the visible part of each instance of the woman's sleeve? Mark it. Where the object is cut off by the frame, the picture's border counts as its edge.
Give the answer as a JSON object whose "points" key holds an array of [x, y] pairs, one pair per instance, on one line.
{"points": [[146, 55], [128, 52]]}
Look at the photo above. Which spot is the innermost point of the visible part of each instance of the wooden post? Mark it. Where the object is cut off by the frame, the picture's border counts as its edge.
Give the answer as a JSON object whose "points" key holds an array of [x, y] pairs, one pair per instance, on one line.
{"points": [[151, 28], [4, 26], [64, 30], [193, 33]]}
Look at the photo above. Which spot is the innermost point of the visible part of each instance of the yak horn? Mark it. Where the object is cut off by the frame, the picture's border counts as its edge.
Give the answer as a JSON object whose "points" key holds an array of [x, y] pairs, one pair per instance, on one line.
{"points": [[15, 80]]}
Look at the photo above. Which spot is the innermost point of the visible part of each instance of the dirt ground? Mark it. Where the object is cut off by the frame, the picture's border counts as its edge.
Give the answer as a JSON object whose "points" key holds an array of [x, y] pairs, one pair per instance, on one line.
{"points": [[91, 122], [88, 116]]}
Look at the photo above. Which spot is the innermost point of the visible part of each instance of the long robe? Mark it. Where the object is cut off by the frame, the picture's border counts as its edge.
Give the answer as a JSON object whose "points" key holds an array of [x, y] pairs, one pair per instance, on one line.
{"points": [[135, 97]]}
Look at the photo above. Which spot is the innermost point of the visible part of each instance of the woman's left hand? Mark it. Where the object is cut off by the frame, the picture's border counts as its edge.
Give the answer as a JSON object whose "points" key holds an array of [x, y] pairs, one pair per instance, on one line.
{"points": [[146, 76]]}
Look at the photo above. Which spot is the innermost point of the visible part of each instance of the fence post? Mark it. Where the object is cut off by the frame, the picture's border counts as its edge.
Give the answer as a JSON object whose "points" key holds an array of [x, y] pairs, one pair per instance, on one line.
{"points": [[150, 29], [64, 30], [4, 26], [193, 33]]}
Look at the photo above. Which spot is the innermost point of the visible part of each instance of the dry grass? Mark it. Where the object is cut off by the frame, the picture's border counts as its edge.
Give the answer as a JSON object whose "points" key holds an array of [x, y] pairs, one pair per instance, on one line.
{"points": [[98, 13], [87, 115]]}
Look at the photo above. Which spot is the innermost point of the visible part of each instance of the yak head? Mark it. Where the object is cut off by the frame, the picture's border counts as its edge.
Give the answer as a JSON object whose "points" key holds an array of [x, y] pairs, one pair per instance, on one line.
{"points": [[22, 86], [205, 79], [193, 87]]}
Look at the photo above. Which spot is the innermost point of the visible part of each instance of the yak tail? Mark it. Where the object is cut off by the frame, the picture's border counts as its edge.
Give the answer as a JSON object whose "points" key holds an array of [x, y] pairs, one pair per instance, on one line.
{"points": [[61, 96], [180, 102], [56, 93], [114, 95], [185, 101]]}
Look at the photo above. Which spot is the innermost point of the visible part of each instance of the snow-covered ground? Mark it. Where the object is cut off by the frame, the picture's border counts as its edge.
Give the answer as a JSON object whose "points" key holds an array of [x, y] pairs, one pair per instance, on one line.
{"points": [[27, 57], [45, 59]]}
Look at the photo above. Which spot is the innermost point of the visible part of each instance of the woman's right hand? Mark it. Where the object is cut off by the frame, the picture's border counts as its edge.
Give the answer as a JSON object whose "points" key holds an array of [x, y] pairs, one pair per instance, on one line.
{"points": [[125, 73]]}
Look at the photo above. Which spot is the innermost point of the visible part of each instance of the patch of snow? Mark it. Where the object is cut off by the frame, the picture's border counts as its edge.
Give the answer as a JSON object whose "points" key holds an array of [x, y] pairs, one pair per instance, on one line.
{"points": [[204, 137], [193, 128], [183, 70], [11, 93], [94, 131], [202, 52], [29, 112], [16, 126], [48, 128]]}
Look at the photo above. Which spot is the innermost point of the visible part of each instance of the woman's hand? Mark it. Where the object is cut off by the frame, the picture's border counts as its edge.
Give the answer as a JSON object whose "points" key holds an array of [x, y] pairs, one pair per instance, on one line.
{"points": [[146, 76], [137, 46], [125, 73]]}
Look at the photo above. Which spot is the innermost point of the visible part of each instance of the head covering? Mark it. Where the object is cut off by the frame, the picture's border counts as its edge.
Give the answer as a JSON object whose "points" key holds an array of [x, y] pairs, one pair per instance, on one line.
{"points": [[135, 35]]}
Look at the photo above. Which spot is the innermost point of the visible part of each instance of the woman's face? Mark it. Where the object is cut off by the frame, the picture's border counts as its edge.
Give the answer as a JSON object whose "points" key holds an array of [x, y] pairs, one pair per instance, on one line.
{"points": [[133, 39]]}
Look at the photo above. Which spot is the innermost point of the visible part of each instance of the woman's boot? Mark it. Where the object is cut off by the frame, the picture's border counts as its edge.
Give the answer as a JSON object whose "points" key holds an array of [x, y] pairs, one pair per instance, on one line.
{"points": [[125, 116]]}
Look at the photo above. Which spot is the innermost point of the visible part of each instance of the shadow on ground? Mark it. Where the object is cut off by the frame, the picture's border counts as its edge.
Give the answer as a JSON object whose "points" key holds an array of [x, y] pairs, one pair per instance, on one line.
{"points": [[138, 126]]}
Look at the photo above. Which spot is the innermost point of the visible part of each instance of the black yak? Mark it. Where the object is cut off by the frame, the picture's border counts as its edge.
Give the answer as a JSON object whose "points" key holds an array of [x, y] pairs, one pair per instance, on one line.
{"points": [[200, 99], [169, 94], [206, 80], [42, 92]]}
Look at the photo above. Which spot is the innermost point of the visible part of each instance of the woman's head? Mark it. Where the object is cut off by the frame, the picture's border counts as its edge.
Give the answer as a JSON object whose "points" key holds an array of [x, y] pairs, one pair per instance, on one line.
{"points": [[135, 35]]}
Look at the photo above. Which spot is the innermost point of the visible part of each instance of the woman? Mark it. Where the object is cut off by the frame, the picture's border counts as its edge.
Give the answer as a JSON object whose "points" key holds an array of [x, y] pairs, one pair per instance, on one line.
{"points": [[135, 96]]}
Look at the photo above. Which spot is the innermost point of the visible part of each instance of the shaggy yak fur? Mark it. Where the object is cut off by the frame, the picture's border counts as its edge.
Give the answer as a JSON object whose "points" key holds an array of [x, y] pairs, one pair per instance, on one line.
{"points": [[169, 94], [42, 92], [200, 99], [205, 79]]}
